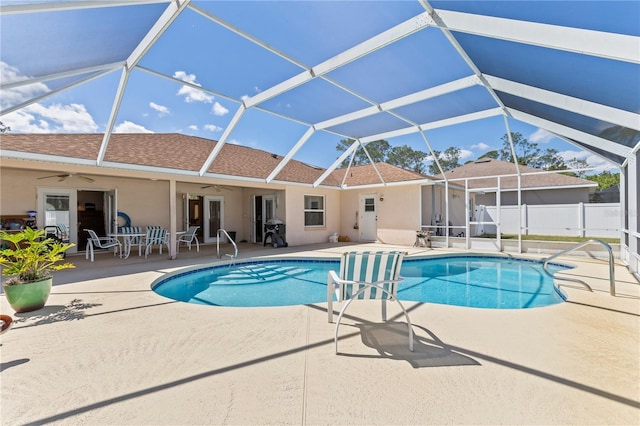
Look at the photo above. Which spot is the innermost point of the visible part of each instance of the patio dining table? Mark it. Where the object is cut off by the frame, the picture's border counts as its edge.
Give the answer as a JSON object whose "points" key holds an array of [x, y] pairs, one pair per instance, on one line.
{"points": [[126, 241]]}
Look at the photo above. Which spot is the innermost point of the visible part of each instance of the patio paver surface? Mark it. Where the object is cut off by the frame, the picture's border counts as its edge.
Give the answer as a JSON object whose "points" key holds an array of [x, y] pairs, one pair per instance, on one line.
{"points": [[106, 350]]}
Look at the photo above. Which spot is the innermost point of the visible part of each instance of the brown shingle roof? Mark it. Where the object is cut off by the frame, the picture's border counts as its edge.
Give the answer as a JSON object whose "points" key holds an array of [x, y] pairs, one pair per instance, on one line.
{"points": [[366, 174], [492, 167], [168, 150]]}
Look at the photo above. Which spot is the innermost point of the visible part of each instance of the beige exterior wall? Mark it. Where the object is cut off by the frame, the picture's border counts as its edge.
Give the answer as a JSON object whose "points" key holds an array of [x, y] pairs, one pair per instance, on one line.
{"points": [[398, 214], [148, 202], [297, 233]]}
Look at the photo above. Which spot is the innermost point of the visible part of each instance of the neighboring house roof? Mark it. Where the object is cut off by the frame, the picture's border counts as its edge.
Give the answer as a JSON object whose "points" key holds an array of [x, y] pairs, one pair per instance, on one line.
{"points": [[492, 167], [189, 153]]}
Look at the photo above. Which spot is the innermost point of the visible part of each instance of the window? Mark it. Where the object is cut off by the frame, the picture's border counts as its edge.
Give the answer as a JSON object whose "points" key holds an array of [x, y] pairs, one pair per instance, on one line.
{"points": [[369, 204], [314, 210]]}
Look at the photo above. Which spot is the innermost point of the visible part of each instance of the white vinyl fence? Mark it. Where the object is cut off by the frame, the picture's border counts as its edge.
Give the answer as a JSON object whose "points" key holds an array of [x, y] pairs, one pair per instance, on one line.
{"points": [[599, 220]]}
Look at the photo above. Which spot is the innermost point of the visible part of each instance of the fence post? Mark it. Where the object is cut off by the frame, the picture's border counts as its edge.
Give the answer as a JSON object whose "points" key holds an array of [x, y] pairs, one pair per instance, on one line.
{"points": [[581, 220]]}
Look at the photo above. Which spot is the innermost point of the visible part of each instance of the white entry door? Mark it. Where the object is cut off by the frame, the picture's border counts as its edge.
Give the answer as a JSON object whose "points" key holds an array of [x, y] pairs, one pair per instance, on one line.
{"points": [[58, 207], [213, 218], [368, 218]]}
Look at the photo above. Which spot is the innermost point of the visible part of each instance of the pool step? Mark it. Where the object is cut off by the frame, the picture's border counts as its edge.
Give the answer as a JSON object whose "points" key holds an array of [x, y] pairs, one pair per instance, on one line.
{"points": [[253, 273]]}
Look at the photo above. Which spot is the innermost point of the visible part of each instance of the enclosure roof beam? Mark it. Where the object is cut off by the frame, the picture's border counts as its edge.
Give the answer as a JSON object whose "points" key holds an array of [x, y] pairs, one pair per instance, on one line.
{"points": [[579, 106]]}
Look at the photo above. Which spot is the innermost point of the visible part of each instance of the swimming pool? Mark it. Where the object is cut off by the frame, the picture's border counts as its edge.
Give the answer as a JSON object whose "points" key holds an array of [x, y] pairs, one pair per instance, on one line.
{"points": [[474, 281]]}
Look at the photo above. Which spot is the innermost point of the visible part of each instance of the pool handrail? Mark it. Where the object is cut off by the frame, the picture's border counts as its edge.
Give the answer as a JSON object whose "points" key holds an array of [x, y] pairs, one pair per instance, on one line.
{"points": [[233, 256], [612, 280]]}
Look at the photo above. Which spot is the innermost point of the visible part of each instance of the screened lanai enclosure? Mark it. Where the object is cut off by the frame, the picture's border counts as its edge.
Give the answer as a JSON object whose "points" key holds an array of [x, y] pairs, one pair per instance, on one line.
{"points": [[294, 78]]}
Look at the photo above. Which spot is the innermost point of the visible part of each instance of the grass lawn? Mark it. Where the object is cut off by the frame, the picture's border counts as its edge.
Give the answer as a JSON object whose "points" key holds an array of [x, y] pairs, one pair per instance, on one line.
{"points": [[553, 238]]}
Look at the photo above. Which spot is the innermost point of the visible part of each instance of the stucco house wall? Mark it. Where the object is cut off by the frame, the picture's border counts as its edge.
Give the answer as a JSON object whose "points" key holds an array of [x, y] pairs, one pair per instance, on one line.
{"points": [[398, 214], [297, 233]]}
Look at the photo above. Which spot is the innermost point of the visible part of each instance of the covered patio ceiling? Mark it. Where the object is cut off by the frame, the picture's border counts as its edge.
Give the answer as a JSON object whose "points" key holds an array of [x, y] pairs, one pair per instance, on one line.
{"points": [[401, 69]]}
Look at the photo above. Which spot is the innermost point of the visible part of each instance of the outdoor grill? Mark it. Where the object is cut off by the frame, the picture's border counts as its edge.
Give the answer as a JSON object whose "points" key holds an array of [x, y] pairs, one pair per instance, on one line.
{"points": [[274, 232]]}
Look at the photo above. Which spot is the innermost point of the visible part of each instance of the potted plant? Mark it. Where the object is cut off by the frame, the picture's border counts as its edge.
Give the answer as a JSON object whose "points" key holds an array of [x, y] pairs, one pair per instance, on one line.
{"points": [[30, 259]]}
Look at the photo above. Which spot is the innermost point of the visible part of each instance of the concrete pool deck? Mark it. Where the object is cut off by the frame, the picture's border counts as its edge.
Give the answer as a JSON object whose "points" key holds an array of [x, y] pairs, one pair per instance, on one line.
{"points": [[106, 350]]}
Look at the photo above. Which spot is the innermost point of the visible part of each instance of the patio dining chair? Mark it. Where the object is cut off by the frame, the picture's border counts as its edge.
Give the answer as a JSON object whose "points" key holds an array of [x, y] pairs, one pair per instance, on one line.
{"points": [[364, 276], [105, 243], [156, 235], [134, 241], [189, 238]]}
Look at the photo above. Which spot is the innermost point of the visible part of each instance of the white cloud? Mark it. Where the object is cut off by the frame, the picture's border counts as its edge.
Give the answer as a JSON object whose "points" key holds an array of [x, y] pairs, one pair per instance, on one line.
{"points": [[18, 95], [465, 153], [480, 145], [219, 110], [541, 136], [162, 110], [193, 127], [245, 97], [129, 127], [56, 118], [251, 144], [592, 160], [212, 128], [191, 94]]}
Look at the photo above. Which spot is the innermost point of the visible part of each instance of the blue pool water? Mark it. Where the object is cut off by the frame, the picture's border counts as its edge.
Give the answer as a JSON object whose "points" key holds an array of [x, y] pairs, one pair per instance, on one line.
{"points": [[475, 281]]}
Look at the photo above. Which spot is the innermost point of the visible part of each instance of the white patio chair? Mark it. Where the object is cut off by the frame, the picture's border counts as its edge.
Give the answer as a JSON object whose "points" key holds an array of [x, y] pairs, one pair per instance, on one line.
{"points": [[105, 243], [156, 235], [363, 276], [188, 238], [134, 241]]}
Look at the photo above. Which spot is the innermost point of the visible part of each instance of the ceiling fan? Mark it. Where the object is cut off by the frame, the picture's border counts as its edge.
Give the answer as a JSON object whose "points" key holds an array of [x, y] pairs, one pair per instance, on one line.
{"points": [[65, 176], [218, 187]]}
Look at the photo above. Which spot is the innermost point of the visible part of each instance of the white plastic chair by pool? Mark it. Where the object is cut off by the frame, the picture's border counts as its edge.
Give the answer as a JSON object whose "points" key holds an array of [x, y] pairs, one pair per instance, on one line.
{"points": [[189, 238], [100, 242], [366, 275]]}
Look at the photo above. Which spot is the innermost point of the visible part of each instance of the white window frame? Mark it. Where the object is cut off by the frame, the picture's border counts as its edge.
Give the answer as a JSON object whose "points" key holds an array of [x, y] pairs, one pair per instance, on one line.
{"points": [[322, 210]]}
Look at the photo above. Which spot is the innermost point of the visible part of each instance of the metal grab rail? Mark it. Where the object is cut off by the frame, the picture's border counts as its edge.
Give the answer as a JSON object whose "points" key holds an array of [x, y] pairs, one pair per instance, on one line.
{"points": [[612, 279], [232, 256]]}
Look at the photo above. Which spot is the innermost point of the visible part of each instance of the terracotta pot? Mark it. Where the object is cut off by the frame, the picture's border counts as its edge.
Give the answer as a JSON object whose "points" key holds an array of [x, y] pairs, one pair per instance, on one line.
{"points": [[28, 297]]}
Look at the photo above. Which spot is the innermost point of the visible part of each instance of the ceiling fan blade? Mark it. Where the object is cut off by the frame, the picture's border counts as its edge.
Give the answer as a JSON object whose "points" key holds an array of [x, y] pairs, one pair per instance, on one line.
{"points": [[86, 178], [218, 187], [63, 178], [52, 176]]}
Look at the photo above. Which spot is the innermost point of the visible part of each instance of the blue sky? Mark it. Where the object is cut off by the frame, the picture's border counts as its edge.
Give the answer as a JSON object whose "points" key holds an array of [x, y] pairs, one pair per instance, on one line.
{"points": [[200, 52]]}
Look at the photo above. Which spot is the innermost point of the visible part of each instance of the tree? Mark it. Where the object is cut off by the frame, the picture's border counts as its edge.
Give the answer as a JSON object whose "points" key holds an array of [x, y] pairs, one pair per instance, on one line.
{"points": [[527, 152], [490, 154], [449, 159], [550, 160], [577, 165], [377, 150], [530, 155], [407, 158], [3, 128], [605, 179]]}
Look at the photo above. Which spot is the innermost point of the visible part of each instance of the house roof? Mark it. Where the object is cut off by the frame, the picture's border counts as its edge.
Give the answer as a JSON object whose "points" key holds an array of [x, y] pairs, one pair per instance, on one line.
{"points": [[403, 69], [170, 151], [531, 177], [367, 175], [174, 151]]}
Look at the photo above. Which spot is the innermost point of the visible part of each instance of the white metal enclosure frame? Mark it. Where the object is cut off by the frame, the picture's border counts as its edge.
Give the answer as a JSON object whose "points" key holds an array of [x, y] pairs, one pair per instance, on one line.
{"points": [[604, 120]]}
